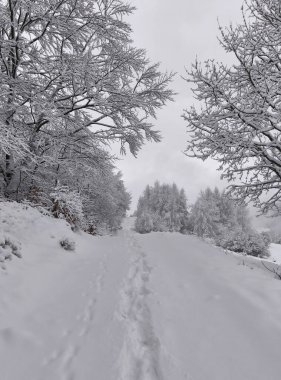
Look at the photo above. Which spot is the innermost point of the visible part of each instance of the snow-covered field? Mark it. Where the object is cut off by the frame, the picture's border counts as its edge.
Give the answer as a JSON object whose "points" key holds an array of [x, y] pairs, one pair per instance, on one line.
{"points": [[161, 306]]}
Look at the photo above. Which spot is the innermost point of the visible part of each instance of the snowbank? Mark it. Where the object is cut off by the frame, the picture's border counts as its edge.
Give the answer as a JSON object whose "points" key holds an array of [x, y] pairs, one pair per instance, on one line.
{"points": [[35, 236]]}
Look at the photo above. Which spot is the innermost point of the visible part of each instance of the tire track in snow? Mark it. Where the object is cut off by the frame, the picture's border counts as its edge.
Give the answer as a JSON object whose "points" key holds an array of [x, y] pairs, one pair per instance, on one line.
{"points": [[139, 358], [72, 339]]}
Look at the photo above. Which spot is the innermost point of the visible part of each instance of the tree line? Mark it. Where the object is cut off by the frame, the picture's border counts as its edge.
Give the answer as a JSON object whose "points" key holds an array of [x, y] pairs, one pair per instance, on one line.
{"points": [[214, 216]]}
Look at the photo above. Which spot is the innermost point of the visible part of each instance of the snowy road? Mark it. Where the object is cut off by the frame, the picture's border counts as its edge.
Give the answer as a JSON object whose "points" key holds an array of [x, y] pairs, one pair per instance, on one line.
{"points": [[140, 307]]}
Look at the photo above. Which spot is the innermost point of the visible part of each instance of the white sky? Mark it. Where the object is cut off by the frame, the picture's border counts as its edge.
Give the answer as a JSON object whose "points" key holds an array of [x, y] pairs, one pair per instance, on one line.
{"points": [[174, 33]]}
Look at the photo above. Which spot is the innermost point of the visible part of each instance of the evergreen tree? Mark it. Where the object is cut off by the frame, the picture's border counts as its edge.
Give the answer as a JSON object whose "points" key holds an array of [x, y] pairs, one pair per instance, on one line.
{"points": [[215, 212], [162, 208]]}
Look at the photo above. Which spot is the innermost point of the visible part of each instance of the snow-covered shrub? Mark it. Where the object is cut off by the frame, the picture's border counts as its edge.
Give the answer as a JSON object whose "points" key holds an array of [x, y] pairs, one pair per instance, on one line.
{"points": [[249, 241], [84, 190], [67, 244], [67, 204]]}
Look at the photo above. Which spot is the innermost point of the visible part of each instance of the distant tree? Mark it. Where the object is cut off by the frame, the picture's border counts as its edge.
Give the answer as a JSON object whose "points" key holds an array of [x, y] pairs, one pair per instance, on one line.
{"points": [[204, 215], [214, 215], [238, 122], [162, 208], [214, 212]]}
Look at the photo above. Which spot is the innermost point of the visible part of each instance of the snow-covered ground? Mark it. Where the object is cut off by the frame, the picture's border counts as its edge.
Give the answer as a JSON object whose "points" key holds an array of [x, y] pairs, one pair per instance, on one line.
{"points": [[275, 253], [161, 306], [272, 263]]}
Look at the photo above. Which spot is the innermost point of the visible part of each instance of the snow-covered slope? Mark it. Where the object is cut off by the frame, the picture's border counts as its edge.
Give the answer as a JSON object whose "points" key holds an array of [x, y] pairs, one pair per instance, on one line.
{"points": [[160, 306]]}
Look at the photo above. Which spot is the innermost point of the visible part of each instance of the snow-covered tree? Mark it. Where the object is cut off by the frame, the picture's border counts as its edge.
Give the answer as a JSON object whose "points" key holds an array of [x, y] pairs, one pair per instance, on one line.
{"points": [[238, 122], [145, 222], [69, 66], [71, 82], [205, 215], [214, 215], [162, 208], [107, 202]]}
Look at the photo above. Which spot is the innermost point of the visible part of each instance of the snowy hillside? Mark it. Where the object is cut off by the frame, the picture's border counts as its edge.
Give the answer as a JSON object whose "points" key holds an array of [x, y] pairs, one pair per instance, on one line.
{"points": [[159, 306]]}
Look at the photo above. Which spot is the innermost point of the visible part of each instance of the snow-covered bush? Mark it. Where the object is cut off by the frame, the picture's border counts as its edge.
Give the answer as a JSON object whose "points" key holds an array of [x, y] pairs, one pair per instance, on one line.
{"points": [[67, 244], [67, 204], [250, 242], [86, 194]]}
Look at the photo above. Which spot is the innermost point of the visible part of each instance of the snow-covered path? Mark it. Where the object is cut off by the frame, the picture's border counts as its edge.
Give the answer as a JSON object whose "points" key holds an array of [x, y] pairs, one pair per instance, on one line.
{"points": [[215, 319], [139, 307]]}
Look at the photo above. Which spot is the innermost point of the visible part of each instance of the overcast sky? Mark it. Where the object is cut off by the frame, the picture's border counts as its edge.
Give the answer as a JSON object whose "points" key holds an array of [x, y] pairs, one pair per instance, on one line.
{"points": [[174, 33]]}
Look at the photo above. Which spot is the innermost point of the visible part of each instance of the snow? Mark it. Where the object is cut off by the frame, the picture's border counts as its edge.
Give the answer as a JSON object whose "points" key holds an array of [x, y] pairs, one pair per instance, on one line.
{"points": [[159, 306], [275, 253], [271, 263]]}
